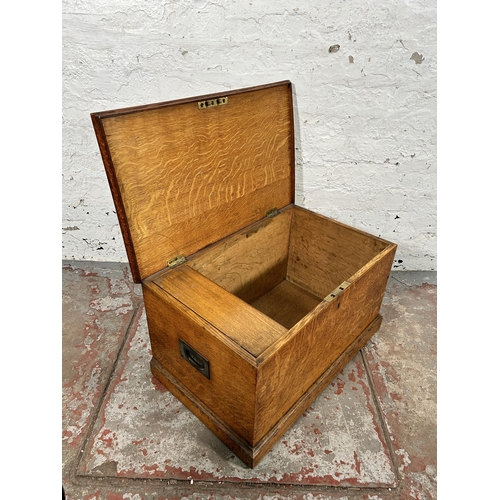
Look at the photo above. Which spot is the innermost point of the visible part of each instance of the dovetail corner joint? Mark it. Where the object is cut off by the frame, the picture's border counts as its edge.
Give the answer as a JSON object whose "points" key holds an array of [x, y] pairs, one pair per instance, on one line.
{"points": [[337, 291], [180, 259], [212, 102]]}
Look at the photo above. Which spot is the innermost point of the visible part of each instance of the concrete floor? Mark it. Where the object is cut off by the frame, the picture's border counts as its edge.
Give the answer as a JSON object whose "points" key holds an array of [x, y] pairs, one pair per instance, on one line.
{"points": [[370, 435]]}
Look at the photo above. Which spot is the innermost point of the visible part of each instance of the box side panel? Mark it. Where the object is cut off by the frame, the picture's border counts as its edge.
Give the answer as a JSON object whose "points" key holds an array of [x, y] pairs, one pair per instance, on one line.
{"points": [[188, 177], [230, 390], [294, 364], [324, 253], [251, 262]]}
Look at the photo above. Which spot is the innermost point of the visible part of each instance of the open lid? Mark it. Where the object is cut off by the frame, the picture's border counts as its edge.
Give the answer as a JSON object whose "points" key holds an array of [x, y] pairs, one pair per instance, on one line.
{"points": [[186, 173]]}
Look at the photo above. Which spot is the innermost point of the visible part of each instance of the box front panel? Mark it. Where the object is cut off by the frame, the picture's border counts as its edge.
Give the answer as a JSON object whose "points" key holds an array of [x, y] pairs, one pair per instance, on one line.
{"points": [[295, 364], [229, 391]]}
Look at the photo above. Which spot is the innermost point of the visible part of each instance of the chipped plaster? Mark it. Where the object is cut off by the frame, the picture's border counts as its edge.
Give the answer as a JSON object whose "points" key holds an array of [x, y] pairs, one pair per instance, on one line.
{"points": [[364, 76]]}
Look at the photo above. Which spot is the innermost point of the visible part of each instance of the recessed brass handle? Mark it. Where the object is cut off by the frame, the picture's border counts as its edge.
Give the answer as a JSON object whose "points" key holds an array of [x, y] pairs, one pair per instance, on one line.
{"points": [[194, 358], [220, 101]]}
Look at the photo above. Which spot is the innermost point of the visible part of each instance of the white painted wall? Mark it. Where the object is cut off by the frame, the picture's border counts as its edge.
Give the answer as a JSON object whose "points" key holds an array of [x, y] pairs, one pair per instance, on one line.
{"points": [[366, 113]]}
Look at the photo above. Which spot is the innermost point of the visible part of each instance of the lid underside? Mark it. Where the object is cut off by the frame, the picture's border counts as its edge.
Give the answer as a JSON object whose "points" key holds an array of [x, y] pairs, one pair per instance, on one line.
{"points": [[184, 176]]}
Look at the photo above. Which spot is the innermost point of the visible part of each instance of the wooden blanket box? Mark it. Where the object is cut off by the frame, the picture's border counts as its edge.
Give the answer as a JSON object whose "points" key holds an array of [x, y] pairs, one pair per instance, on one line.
{"points": [[253, 303]]}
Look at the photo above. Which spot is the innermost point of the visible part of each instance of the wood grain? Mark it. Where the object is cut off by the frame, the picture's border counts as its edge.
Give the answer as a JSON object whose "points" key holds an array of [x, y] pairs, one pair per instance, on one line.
{"points": [[251, 262], [286, 303], [294, 362], [189, 177], [272, 436], [249, 299], [230, 391], [324, 252], [117, 198], [252, 454], [245, 325]]}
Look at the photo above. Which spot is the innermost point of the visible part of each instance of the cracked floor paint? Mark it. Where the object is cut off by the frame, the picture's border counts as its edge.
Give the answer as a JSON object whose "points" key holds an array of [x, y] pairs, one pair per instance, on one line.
{"points": [[97, 307], [371, 435], [402, 362]]}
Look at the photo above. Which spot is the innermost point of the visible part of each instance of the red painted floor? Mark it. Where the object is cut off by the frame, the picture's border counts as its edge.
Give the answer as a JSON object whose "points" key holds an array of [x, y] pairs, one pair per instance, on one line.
{"points": [[370, 435]]}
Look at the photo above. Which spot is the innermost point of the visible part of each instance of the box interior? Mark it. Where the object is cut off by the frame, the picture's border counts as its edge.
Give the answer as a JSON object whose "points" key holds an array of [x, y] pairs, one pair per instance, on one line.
{"points": [[286, 265]]}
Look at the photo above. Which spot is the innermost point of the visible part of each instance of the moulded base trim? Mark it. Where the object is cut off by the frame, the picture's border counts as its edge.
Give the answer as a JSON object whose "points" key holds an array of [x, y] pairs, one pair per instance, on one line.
{"points": [[252, 455]]}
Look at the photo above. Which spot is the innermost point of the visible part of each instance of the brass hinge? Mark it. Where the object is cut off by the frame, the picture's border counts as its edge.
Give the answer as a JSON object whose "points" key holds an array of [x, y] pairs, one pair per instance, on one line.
{"points": [[337, 291], [273, 212], [212, 102], [177, 261]]}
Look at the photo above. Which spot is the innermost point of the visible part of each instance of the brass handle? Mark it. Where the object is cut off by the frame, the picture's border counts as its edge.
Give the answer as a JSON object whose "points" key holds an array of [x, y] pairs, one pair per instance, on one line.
{"points": [[191, 357], [194, 358]]}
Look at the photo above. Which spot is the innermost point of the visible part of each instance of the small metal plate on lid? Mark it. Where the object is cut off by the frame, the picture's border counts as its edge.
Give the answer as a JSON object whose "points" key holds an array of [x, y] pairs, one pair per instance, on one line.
{"points": [[209, 103]]}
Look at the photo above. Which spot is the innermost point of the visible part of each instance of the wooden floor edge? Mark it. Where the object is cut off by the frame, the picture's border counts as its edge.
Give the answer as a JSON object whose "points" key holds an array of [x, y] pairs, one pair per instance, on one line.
{"points": [[251, 456]]}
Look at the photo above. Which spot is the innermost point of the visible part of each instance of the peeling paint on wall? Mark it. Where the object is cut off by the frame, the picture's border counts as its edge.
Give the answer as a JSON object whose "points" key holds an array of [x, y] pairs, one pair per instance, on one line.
{"points": [[418, 58], [364, 80]]}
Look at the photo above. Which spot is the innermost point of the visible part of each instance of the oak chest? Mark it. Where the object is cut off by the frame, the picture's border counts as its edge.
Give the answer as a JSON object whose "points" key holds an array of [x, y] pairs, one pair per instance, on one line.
{"points": [[253, 303]]}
